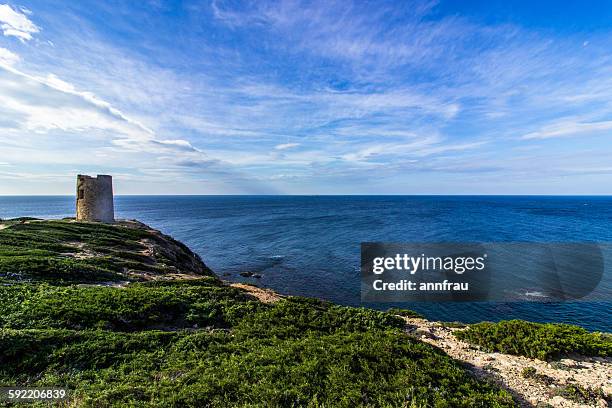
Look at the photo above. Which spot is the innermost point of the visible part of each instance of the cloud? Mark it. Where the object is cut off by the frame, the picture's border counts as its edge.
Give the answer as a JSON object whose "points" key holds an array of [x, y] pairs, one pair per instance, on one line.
{"points": [[285, 146], [47, 117], [356, 32], [215, 126], [45, 105], [392, 100], [178, 144], [16, 23], [8, 58], [56, 83], [568, 128], [387, 153]]}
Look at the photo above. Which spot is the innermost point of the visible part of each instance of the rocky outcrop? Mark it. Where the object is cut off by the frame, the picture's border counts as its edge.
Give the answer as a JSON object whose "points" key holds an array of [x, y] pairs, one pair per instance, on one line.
{"points": [[68, 251]]}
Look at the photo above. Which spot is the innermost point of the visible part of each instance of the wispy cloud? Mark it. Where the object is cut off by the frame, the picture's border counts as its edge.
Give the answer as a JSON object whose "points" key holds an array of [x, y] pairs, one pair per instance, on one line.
{"points": [[7, 57], [285, 146], [48, 103], [348, 30], [45, 105], [15, 23], [569, 128]]}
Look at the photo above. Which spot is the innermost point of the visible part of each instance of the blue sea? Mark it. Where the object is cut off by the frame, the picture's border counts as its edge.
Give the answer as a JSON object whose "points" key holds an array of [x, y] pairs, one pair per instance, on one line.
{"points": [[310, 245]]}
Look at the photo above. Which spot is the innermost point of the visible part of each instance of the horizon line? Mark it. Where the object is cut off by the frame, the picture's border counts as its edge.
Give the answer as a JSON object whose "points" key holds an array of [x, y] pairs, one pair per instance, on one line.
{"points": [[320, 195]]}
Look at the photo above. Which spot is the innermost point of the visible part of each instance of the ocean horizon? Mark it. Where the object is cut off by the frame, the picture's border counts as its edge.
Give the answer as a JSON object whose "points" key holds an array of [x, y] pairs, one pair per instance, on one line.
{"points": [[308, 245]]}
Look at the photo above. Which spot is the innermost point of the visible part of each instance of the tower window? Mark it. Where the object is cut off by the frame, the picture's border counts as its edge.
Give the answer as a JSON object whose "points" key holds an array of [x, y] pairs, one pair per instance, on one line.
{"points": [[81, 194]]}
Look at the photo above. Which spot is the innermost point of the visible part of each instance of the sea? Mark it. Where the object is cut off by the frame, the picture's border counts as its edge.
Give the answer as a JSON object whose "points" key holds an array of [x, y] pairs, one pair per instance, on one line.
{"points": [[310, 245]]}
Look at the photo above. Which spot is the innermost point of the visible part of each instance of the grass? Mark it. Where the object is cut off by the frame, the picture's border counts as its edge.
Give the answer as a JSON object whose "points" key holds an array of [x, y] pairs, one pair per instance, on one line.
{"points": [[544, 341]]}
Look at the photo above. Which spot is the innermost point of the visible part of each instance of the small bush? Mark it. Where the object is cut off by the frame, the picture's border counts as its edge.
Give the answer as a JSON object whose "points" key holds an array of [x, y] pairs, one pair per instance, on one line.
{"points": [[579, 394], [528, 372], [536, 340], [405, 313], [531, 373]]}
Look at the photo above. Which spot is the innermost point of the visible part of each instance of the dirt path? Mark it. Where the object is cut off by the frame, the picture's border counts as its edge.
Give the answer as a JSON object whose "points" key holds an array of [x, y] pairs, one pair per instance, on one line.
{"points": [[264, 295], [506, 370]]}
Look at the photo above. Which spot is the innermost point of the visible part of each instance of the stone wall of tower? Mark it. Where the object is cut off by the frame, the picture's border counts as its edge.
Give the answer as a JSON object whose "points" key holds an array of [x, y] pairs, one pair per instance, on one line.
{"points": [[95, 198]]}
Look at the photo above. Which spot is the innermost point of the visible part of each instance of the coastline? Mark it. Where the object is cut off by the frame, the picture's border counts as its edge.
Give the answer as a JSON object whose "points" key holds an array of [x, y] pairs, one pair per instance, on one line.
{"points": [[152, 261], [317, 238]]}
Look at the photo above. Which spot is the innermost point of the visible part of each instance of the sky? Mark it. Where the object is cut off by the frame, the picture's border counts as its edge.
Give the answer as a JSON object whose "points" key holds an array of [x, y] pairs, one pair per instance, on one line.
{"points": [[291, 97]]}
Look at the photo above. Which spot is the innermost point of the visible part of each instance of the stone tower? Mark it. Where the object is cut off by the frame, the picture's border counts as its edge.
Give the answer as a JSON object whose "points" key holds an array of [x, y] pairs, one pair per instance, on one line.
{"points": [[95, 198]]}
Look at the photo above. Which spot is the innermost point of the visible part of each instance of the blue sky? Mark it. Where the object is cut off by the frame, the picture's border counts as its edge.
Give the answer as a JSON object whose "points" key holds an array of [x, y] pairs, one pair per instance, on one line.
{"points": [[290, 97]]}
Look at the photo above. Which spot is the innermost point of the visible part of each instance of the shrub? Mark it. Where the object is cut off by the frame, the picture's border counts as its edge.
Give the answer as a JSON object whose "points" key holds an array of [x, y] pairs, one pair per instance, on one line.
{"points": [[405, 313], [579, 394], [344, 369], [536, 340], [135, 307], [528, 372], [296, 352], [531, 373], [294, 316]]}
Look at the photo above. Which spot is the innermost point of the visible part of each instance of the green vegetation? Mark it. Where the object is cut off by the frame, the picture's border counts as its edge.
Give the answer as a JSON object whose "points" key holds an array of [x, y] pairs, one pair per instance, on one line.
{"points": [[64, 251], [123, 315], [405, 313], [452, 325], [581, 395], [293, 353], [529, 372], [537, 340], [532, 373], [215, 368], [139, 306], [197, 342]]}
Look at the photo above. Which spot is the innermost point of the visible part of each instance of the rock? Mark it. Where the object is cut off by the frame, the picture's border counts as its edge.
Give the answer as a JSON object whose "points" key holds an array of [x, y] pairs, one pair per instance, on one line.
{"points": [[246, 274], [257, 276], [425, 333]]}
